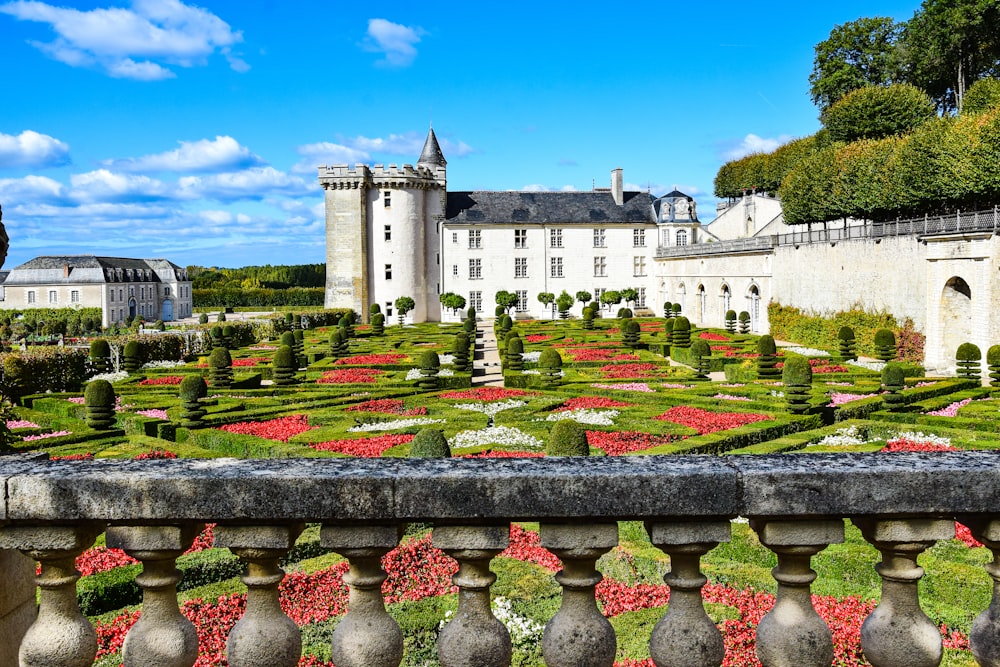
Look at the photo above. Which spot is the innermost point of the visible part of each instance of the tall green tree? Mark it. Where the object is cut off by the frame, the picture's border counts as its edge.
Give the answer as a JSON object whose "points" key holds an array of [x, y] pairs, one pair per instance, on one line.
{"points": [[948, 45], [856, 54], [505, 299]]}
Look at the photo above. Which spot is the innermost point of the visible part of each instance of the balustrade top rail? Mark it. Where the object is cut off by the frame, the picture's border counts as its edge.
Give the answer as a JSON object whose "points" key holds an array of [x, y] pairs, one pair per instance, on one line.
{"points": [[474, 491], [957, 223]]}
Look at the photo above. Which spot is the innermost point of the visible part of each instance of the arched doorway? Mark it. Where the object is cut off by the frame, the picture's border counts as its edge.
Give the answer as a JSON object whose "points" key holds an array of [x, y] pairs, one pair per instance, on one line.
{"points": [[754, 296], [681, 297], [168, 310], [956, 317], [132, 308], [727, 299], [702, 302]]}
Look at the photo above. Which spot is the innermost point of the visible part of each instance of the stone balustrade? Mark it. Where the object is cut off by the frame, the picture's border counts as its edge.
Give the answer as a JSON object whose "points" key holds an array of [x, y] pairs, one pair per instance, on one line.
{"points": [[903, 503]]}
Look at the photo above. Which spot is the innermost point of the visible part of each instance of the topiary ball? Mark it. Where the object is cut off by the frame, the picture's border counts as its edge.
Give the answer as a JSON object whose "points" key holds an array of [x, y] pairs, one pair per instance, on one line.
{"points": [[203, 318], [845, 333], [893, 376], [567, 439], [968, 352], [700, 348], [100, 348], [429, 360], [192, 388], [796, 372], [766, 345], [288, 338], [99, 393], [515, 345], [430, 443], [549, 358], [993, 355], [220, 358]]}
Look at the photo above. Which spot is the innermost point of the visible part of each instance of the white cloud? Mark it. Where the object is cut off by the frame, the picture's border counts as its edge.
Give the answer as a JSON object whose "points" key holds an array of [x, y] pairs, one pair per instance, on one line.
{"points": [[326, 153], [733, 150], [32, 149], [131, 43], [361, 149], [105, 186], [393, 40], [222, 153], [255, 183], [536, 187], [30, 189]]}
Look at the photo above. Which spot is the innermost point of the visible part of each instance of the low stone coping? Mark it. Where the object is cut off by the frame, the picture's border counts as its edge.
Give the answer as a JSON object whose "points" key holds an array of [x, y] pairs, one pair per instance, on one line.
{"points": [[469, 491]]}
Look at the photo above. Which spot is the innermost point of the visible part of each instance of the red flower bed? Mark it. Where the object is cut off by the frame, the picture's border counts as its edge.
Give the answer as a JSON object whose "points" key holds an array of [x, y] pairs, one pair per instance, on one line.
{"points": [[89, 456], [102, 559], [591, 402], [708, 335], [488, 394], [364, 447], [250, 361], [165, 380], [281, 429], [392, 406], [726, 348], [617, 443], [154, 454], [626, 371], [537, 338], [502, 454], [351, 376], [598, 354], [706, 421], [372, 359], [907, 445]]}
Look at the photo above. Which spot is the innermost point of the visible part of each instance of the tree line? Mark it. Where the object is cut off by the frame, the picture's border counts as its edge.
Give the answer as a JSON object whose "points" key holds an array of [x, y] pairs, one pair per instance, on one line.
{"points": [[258, 277]]}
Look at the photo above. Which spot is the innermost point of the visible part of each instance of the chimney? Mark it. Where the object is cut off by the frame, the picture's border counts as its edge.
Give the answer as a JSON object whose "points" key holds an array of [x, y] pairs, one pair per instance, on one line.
{"points": [[617, 186], [65, 270]]}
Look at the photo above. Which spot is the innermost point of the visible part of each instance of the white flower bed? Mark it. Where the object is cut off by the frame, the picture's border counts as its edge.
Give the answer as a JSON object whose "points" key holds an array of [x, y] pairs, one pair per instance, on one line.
{"points": [[414, 373], [532, 371], [163, 364], [491, 409], [531, 358], [919, 436], [395, 424], [843, 437], [447, 359], [111, 377], [505, 436], [586, 416], [870, 365], [806, 351]]}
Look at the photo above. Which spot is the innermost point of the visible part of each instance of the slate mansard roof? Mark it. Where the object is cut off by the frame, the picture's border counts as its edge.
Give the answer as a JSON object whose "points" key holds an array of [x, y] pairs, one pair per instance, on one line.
{"points": [[548, 207], [78, 269]]}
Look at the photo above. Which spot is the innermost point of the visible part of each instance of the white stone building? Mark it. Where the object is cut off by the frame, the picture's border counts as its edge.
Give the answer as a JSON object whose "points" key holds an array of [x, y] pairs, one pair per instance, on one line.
{"points": [[155, 289], [397, 231]]}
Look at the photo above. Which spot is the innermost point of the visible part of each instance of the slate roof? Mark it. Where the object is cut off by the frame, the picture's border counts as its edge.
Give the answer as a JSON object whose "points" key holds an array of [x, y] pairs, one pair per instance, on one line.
{"points": [[431, 155], [548, 207], [51, 270]]}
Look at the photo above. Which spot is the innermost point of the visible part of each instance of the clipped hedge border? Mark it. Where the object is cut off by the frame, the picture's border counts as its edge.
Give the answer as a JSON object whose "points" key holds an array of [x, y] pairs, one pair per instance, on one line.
{"points": [[744, 436]]}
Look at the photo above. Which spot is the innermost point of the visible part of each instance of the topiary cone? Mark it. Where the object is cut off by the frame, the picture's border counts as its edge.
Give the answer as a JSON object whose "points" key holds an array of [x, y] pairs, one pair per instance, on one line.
{"points": [[220, 364], [284, 366], [797, 378], [968, 358], [99, 401], [192, 390], [892, 383]]}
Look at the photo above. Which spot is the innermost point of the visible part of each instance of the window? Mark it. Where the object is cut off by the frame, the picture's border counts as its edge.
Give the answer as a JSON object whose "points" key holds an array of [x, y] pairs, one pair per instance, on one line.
{"points": [[454, 269], [388, 308], [475, 269], [520, 238], [598, 238], [556, 267], [388, 233], [74, 296], [454, 237], [476, 300], [31, 296], [520, 267], [166, 291], [388, 199], [600, 266], [598, 291], [522, 300], [555, 238], [682, 237], [639, 238], [121, 294], [388, 271], [641, 301], [475, 238], [131, 290], [53, 296], [639, 266]]}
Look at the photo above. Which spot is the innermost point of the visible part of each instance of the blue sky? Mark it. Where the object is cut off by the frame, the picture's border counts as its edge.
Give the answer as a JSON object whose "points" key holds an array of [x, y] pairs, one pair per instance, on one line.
{"points": [[156, 128]]}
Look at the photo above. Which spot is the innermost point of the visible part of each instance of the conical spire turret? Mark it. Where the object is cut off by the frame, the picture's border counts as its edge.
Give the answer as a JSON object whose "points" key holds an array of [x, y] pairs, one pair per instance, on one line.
{"points": [[431, 156]]}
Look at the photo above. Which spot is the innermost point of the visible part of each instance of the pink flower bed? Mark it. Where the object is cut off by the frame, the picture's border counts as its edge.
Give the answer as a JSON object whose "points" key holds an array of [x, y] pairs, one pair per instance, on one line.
{"points": [[372, 359], [625, 386], [20, 423], [502, 454], [731, 397], [951, 410], [281, 429], [392, 406], [598, 354], [155, 413], [839, 398], [165, 380], [591, 402], [50, 434], [705, 421], [351, 376], [364, 447]]}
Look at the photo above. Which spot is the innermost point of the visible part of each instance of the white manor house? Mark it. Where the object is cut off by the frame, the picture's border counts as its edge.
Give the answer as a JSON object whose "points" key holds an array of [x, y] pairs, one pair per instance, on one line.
{"points": [[397, 231]]}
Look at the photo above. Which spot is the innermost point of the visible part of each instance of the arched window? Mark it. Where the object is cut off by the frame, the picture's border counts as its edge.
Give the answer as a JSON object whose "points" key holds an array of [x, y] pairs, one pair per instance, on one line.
{"points": [[754, 296], [682, 237], [727, 298]]}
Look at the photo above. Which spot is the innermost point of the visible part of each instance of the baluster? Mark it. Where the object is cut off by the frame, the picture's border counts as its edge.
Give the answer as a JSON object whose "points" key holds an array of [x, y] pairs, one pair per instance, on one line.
{"points": [[686, 636], [578, 635], [265, 636], [162, 636], [60, 635], [898, 633], [792, 633], [17, 602], [474, 637], [984, 639], [367, 636]]}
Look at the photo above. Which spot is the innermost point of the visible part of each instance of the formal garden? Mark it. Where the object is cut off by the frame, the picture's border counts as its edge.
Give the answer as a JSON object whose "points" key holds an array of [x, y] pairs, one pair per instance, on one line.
{"points": [[323, 385]]}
